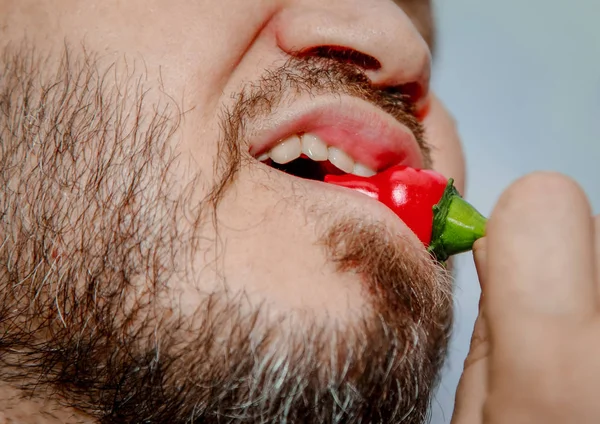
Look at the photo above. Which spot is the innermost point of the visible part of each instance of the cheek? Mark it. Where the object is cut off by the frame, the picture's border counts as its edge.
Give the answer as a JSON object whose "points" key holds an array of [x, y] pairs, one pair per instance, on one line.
{"points": [[442, 135]]}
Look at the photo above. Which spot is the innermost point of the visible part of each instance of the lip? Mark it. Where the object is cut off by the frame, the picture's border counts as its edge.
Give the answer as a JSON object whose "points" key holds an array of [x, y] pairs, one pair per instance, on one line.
{"points": [[368, 134]]}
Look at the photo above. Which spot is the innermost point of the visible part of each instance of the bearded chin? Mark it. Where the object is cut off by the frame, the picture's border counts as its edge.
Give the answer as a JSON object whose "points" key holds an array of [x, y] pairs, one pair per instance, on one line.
{"points": [[92, 241], [227, 363]]}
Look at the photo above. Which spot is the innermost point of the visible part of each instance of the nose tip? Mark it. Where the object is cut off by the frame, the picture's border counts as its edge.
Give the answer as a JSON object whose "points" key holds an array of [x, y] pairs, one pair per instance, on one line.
{"points": [[379, 38]]}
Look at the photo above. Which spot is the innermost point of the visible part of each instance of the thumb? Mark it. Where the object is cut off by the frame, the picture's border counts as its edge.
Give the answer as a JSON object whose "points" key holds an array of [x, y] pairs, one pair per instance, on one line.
{"points": [[472, 388]]}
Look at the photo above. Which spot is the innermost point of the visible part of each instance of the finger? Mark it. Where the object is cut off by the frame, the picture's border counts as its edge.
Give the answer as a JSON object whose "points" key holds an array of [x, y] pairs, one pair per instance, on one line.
{"points": [[472, 388], [480, 257], [540, 253], [597, 249]]}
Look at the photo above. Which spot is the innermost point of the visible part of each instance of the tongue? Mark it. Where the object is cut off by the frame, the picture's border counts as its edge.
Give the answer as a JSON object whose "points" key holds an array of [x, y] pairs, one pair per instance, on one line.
{"points": [[410, 193]]}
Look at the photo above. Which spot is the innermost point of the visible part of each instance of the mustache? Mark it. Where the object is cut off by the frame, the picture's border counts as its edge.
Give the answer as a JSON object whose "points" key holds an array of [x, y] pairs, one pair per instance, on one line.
{"points": [[304, 75], [315, 75]]}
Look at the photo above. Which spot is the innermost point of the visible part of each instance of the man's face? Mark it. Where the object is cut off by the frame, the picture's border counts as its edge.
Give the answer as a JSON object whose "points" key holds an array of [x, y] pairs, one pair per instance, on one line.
{"points": [[159, 262]]}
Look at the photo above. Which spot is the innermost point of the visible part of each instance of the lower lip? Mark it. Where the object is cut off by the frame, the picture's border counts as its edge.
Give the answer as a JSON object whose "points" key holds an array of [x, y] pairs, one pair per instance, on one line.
{"points": [[367, 202]]}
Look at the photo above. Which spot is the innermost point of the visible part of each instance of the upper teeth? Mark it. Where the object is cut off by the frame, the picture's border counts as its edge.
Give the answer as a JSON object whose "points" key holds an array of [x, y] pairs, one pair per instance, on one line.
{"points": [[313, 147], [341, 160], [287, 150]]}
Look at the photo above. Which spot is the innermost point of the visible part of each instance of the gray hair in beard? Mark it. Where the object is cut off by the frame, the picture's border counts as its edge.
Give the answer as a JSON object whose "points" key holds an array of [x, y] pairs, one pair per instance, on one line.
{"points": [[90, 234]]}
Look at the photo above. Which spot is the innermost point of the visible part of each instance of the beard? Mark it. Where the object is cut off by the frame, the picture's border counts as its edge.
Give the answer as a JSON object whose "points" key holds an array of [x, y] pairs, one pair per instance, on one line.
{"points": [[96, 229]]}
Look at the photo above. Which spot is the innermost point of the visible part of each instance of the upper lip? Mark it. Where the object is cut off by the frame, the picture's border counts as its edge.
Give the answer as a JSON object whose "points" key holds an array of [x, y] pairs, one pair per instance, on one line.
{"points": [[365, 132]]}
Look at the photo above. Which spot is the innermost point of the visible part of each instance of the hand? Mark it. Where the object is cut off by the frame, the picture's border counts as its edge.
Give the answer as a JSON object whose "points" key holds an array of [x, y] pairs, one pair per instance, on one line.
{"points": [[535, 351]]}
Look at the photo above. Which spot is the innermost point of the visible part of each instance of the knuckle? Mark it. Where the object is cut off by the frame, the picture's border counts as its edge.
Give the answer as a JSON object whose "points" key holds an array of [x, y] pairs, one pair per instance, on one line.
{"points": [[479, 347], [478, 352]]}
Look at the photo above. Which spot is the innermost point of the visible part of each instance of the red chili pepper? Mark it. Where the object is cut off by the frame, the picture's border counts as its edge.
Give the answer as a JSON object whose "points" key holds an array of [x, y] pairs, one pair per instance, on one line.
{"points": [[428, 204]]}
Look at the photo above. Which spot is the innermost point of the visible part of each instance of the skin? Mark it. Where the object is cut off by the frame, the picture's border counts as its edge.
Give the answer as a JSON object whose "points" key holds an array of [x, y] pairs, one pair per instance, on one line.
{"points": [[533, 355], [125, 297], [239, 50], [190, 258]]}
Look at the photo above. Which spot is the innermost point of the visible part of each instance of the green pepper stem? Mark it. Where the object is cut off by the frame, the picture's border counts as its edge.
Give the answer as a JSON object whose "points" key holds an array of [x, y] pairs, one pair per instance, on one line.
{"points": [[456, 225]]}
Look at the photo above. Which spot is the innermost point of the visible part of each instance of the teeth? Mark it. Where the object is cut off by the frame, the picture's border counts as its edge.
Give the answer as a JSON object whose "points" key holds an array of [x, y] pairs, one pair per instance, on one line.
{"points": [[341, 160], [287, 150], [362, 170], [314, 148]]}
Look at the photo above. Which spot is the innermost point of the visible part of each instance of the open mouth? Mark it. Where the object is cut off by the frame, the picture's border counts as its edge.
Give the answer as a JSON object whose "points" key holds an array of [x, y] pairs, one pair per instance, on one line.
{"points": [[329, 135], [336, 136], [308, 156]]}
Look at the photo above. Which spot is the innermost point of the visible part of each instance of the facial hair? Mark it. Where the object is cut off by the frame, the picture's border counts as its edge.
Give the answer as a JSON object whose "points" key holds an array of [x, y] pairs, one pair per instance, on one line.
{"points": [[92, 237]]}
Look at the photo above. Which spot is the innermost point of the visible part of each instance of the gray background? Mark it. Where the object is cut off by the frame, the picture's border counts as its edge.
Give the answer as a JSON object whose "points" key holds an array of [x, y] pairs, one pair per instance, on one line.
{"points": [[522, 77]]}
